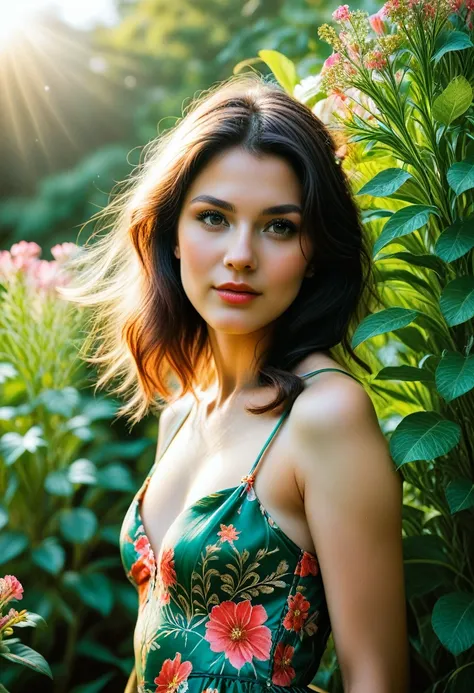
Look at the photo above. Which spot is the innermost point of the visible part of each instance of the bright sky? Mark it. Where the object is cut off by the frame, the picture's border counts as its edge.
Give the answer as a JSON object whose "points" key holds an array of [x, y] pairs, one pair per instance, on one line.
{"points": [[17, 14]]}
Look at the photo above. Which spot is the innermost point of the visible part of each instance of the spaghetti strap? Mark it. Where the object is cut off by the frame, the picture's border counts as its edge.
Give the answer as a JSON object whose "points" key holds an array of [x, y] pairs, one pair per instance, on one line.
{"points": [[250, 477], [171, 438]]}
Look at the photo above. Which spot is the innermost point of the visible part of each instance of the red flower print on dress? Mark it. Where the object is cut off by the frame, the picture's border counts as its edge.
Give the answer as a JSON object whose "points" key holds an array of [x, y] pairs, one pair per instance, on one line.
{"points": [[142, 567], [167, 571], [172, 674], [237, 630], [307, 565], [297, 613], [283, 672], [228, 533]]}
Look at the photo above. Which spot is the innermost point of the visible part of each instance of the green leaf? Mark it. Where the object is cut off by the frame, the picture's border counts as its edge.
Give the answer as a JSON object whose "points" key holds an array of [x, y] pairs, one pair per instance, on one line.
{"points": [[454, 375], [58, 484], [456, 240], [94, 686], [62, 402], [381, 322], [12, 544], [95, 650], [33, 620], [111, 534], [450, 41], [460, 175], [3, 516], [453, 621], [457, 300], [423, 435], [78, 525], [453, 101], [49, 555], [115, 477], [3, 689], [423, 556], [82, 471], [368, 215], [97, 409], [460, 494], [282, 67], [423, 260], [405, 373], [13, 445], [94, 590], [21, 654], [385, 183], [403, 222]]}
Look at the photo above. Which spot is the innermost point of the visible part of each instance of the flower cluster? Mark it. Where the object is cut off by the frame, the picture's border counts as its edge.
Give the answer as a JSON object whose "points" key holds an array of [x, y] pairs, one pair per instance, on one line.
{"points": [[23, 260], [10, 589]]}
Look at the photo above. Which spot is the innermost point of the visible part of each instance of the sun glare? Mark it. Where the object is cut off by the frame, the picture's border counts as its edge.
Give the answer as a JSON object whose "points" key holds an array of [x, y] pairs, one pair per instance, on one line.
{"points": [[16, 18]]}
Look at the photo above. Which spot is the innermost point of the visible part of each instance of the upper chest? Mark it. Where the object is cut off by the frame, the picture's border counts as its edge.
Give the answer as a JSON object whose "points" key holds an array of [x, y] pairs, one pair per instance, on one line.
{"points": [[202, 460]]}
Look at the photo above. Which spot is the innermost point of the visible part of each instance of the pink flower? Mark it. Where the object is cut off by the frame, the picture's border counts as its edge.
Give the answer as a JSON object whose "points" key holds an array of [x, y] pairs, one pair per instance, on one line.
{"points": [[13, 613], [283, 672], [7, 264], [332, 60], [10, 588], [172, 674], [63, 251], [342, 13], [377, 22], [238, 631]]}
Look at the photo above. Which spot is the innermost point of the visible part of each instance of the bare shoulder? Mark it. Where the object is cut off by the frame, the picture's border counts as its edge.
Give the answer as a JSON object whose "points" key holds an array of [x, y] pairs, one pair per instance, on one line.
{"points": [[353, 502], [169, 417]]}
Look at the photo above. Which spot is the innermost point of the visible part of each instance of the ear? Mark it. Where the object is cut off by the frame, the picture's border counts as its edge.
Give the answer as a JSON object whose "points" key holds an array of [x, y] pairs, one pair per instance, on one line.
{"points": [[176, 252]]}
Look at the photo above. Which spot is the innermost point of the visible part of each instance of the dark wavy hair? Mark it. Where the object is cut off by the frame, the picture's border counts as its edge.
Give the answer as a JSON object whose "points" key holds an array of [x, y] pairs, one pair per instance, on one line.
{"points": [[146, 333]]}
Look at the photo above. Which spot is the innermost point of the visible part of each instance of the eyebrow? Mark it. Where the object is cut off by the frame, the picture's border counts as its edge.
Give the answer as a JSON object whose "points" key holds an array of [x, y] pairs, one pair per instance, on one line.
{"points": [[277, 209]]}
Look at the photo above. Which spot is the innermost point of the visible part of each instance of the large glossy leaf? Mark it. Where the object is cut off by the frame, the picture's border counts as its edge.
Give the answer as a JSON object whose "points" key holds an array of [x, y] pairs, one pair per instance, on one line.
{"points": [[453, 101], [424, 260], [49, 555], [32, 621], [460, 494], [21, 654], [423, 435], [381, 322], [13, 444], [94, 590], [385, 183], [78, 525], [450, 41], [282, 67], [454, 375], [456, 240], [461, 175], [453, 621], [406, 373], [12, 544], [457, 300], [403, 222]]}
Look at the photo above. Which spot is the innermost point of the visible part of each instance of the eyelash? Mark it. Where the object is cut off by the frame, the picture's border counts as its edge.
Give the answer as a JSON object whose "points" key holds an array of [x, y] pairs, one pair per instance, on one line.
{"points": [[290, 226]]}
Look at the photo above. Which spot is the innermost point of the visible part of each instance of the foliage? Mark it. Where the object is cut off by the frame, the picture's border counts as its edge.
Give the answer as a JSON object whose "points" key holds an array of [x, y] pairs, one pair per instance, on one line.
{"points": [[12, 649], [64, 481], [397, 95]]}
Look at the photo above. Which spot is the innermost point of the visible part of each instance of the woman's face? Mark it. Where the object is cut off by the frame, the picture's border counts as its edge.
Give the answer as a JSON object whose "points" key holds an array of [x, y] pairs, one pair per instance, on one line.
{"points": [[245, 244]]}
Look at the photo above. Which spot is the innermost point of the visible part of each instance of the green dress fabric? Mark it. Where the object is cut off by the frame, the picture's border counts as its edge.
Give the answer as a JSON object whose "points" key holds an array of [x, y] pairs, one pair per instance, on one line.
{"points": [[231, 603]]}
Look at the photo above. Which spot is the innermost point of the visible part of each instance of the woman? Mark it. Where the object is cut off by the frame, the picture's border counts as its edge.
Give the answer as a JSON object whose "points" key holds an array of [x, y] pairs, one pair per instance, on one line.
{"points": [[242, 575]]}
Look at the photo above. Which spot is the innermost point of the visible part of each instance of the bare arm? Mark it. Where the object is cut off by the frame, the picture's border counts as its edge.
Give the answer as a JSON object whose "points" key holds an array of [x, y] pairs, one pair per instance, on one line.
{"points": [[353, 504]]}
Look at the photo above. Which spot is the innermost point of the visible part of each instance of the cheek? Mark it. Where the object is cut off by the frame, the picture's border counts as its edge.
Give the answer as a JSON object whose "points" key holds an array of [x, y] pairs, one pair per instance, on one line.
{"points": [[288, 271]]}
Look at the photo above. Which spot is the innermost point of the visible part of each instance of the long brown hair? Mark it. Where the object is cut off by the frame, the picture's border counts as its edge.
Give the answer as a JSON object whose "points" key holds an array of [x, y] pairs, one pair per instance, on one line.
{"points": [[146, 333]]}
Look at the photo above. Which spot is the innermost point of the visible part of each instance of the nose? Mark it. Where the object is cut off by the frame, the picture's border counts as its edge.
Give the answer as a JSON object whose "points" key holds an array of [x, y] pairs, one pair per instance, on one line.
{"points": [[241, 251]]}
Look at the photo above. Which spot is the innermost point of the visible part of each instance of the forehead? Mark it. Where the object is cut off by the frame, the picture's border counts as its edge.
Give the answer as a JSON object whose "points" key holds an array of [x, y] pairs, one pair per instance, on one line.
{"points": [[243, 178]]}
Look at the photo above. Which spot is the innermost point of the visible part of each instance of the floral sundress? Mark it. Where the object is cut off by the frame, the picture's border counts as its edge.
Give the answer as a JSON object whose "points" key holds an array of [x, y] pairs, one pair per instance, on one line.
{"points": [[230, 603]]}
